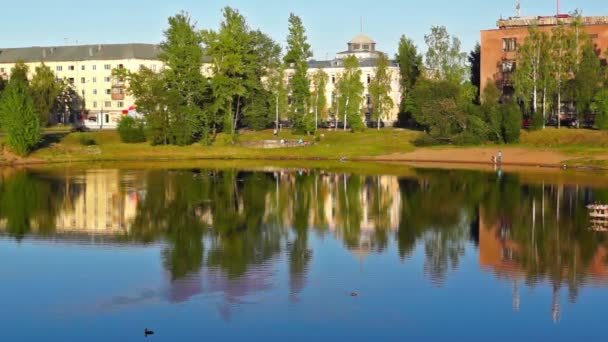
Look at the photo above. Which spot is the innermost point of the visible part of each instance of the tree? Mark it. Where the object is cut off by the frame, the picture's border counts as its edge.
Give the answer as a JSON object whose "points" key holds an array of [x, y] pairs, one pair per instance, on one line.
{"points": [[296, 57], [319, 83], [600, 108], [530, 59], [275, 84], [511, 122], [475, 66], [587, 80], [44, 89], [185, 85], [19, 72], [491, 110], [380, 89], [350, 90], [410, 64], [19, 118], [563, 58], [67, 105], [131, 130], [443, 57]]}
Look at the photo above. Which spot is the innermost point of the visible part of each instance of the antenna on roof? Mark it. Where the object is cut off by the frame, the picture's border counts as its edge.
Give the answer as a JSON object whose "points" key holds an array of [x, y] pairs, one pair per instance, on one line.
{"points": [[518, 8], [361, 24], [557, 8]]}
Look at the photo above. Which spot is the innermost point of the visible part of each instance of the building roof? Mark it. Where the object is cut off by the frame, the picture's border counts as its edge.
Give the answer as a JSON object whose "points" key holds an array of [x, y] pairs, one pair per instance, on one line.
{"points": [[362, 39], [79, 53]]}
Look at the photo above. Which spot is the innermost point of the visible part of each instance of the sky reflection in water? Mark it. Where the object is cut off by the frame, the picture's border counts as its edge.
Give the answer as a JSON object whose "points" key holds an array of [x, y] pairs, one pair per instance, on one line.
{"points": [[229, 254]]}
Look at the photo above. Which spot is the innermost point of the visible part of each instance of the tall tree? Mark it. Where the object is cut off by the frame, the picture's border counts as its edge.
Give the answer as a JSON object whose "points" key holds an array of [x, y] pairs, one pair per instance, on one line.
{"points": [[296, 58], [443, 57], [275, 84], [531, 60], [380, 89], [350, 90], [182, 54], [319, 83], [563, 58], [410, 64], [475, 66], [44, 89], [587, 80], [19, 118]]}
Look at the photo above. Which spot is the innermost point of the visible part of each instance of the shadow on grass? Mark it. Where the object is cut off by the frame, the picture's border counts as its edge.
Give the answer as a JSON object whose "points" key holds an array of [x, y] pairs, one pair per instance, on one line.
{"points": [[51, 138]]}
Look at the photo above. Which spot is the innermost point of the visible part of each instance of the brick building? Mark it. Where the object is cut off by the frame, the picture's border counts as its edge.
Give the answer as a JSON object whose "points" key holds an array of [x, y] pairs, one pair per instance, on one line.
{"points": [[499, 46]]}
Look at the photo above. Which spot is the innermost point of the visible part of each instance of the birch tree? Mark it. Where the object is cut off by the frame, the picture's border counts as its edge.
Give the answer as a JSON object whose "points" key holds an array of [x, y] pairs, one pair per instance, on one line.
{"points": [[380, 90]]}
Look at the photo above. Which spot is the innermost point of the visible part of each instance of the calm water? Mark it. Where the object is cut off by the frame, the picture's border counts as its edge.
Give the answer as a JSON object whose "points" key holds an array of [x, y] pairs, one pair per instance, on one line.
{"points": [[207, 254]]}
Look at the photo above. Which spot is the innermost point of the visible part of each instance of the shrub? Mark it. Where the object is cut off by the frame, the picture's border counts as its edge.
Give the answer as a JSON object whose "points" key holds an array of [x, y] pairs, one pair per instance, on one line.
{"points": [[131, 130], [86, 140], [426, 140], [536, 121], [600, 107]]}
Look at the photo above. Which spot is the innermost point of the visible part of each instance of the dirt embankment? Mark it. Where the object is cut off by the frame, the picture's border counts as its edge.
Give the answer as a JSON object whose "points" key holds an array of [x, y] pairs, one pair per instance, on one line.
{"points": [[511, 156]]}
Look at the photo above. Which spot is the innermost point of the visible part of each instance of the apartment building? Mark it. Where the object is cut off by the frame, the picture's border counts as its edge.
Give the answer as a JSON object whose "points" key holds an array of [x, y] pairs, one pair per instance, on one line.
{"points": [[88, 69], [499, 46]]}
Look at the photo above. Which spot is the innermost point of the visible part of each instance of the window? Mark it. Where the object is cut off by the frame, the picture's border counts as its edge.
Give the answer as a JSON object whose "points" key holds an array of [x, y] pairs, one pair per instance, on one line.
{"points": [[70, 68], [83, 68], [82, 80], [593, 36], [108, 104], [94, 67], [509, 44], [59, 68], [107, 67], [120, 104], [369, 79], [94, 80], [108, 91], [120, 66], [94, 91], [71, 80], [356, 46], [107, 118], [1, 69], [333, 79], [366, 47], [508, 66], [94, 104], [107, 79], [153, 67], [368, 99]]}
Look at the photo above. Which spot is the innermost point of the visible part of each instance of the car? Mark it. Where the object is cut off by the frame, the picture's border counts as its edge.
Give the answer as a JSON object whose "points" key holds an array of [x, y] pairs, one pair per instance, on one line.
{"points": [[80, 128]]}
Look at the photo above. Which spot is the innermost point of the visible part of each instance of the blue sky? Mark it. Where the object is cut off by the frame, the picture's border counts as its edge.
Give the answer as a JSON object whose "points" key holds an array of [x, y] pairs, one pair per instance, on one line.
{"points": [[330, 23]]}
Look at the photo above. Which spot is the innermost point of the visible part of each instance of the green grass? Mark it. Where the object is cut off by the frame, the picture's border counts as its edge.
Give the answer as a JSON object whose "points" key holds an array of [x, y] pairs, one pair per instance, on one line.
{"points": [[333, 145]]}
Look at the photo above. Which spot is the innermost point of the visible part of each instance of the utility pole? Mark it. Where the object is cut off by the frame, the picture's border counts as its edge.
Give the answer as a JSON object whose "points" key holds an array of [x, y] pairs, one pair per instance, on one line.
{"points": [[518, 8]]}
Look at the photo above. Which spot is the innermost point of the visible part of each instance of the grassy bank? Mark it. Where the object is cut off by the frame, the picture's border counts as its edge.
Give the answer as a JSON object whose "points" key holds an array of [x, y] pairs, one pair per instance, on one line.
{"points": [[578, 147], [333, 145]]}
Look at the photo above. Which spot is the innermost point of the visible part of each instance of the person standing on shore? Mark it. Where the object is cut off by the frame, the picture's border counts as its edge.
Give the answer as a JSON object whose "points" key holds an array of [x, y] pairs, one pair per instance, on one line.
{"points": [[499, 158]]}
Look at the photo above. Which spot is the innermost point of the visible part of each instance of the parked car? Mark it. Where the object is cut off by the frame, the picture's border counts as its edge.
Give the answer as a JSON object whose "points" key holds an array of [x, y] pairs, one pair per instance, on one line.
{"points": [[80, 128]]}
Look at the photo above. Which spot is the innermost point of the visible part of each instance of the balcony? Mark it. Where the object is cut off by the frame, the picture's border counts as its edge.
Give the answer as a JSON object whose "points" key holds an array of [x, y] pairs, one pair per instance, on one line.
{"points": [[118, 91]]}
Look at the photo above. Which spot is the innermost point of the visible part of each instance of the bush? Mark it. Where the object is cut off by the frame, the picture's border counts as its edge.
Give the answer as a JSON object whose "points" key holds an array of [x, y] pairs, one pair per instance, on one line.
{"points": [[131, 130], [426, 140], [536, 122], [600, 107], [86, 140]]}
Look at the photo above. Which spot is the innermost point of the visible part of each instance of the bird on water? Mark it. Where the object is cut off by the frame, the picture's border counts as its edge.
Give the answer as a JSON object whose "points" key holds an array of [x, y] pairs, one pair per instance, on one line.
{"points": [[148, 332]]}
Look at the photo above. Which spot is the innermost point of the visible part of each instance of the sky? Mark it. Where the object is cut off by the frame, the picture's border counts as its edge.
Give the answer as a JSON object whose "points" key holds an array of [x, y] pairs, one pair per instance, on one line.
{"points": [[330, 24]]}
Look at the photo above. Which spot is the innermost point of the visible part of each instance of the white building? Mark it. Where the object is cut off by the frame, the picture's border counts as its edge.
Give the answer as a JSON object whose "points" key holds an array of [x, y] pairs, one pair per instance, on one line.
{"points": [[364, 48], [88, 68]]}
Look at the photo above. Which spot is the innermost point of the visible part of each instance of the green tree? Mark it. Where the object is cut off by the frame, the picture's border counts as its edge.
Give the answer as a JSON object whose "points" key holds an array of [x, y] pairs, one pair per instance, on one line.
{"points": [[600, 108], [275, 84], [44, 89], [587, 80], [19, 72], [475, 66], [563, 59], [530, 59], [319, 83], [511, 122], [444, 59], [296, 58], [185, 85], [19, 118], [350, 90], [491, 111], [256, 111], [380, 89], [410, 65]]}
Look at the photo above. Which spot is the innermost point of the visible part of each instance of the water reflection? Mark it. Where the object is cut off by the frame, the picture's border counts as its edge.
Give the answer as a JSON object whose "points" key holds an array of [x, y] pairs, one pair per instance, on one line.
{"points": [[226, 231]]}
